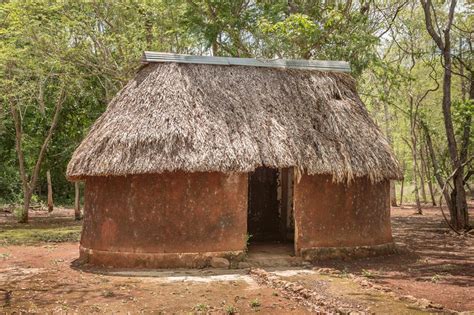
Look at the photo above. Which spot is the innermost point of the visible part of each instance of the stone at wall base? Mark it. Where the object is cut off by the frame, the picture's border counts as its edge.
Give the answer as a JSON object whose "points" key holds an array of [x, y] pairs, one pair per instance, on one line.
{"points": [[154, 260], [326, 253], [243, 265], [219, 262]]}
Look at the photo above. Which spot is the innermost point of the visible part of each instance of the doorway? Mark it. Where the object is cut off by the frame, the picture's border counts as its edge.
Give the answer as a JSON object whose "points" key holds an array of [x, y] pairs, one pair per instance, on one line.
{"points": [[270, 223]]}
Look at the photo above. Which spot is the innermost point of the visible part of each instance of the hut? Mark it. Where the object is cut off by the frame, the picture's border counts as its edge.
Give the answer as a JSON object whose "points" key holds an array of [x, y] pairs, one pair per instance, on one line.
{"points": [[196, 155]]}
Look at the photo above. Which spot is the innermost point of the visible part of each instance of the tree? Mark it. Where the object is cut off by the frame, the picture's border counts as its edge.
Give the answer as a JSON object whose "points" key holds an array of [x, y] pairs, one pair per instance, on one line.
{"points": [[77, 202], [441, 35], [59, 65], [29, 180], [34, 89]]}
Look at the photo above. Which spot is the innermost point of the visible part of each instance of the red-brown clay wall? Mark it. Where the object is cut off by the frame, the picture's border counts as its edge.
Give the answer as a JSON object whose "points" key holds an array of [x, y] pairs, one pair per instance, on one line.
{"points": [[164, 213], [338, 215]]}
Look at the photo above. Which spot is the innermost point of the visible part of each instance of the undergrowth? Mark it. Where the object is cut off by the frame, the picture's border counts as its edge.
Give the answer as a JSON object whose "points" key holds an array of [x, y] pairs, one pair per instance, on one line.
{"points": [[26, 236]]}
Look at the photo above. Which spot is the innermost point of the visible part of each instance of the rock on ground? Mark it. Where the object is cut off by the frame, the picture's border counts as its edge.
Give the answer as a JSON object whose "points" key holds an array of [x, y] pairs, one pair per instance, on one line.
{"points": [[219, 262]]}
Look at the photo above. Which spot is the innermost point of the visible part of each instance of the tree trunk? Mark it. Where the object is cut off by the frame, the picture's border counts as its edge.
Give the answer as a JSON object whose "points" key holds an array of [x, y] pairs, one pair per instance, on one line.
{"points": [[415, 170], [463, 211], [393, 194], [401, 191], [425, 155], [215, 48], [432, 194], [23, 215], [77, 202], [148, 35], [415, 182], [412, 144], [422, 174], [436, 168], [459, 218], [50, 191], [388, 133]]}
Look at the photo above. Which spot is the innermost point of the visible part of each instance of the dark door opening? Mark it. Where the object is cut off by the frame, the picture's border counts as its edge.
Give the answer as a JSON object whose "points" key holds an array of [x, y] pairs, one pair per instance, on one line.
{"points": [[270, 218]]}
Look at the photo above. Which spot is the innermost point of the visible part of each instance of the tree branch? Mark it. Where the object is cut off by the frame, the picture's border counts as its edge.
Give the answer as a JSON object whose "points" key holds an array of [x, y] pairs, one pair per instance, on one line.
{"points": [[57, 110], [426, 4], [18, 146]]}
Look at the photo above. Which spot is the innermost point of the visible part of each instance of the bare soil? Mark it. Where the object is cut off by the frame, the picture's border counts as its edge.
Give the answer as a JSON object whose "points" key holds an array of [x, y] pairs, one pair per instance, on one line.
{"points": [[435, 269], [437, 264]]}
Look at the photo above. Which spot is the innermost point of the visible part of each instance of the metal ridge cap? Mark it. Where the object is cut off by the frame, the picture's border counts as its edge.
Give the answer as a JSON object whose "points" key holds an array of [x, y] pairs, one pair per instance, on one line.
{"points": [[322, 65]]}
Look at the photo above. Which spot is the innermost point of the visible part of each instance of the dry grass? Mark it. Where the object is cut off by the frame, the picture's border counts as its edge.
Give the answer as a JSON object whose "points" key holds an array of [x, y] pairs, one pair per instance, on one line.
{"points": [[201, 118]]}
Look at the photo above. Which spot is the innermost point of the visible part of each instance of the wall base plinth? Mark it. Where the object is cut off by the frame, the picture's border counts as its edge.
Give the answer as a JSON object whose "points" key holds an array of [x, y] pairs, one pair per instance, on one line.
{"points": [[325, 253], [154, 260]]}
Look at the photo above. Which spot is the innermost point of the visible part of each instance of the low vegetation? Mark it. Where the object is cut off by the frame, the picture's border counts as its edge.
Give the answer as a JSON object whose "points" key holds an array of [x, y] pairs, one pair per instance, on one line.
{"points": [[201, 307], [57, 227], [255, 303], [28, 236], [230, 310]]}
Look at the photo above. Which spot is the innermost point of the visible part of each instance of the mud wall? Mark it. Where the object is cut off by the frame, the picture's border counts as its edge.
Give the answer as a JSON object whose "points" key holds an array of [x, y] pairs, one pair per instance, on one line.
{"points": [[339, 215], [166, 213]]}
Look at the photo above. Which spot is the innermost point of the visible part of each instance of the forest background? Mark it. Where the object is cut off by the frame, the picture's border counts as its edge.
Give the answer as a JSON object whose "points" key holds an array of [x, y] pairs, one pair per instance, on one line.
{"points": [[61, 62]]}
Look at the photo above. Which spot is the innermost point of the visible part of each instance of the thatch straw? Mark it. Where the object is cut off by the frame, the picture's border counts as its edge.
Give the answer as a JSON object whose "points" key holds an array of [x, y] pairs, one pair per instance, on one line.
{"points": [[233, 119]]}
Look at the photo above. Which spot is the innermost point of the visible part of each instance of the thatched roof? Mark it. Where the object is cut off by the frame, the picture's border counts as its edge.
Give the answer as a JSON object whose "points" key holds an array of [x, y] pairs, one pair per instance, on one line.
{"points": [[196, 117]]}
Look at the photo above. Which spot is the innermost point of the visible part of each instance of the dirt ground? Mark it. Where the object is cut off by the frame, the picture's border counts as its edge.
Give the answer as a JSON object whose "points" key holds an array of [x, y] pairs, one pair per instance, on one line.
{"points": [[438, 265], [434, 272]]}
